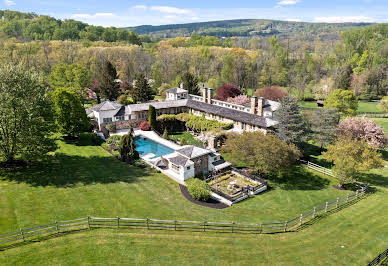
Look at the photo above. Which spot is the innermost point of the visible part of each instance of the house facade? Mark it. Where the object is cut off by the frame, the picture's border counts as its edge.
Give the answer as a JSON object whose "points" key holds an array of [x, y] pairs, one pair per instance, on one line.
{"points": [[254, 116]]}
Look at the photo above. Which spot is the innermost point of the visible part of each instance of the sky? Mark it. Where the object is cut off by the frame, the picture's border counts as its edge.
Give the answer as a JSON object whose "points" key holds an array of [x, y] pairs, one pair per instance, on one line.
{"points": [[121, 13]]}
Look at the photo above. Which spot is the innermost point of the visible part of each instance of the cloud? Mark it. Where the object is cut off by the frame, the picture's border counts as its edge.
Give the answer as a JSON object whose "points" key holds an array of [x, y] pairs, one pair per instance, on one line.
{"points": [[294, 19], [170, 10], [287, 2], [341, 19], [9, 2], [89, 16], [140, 7]]}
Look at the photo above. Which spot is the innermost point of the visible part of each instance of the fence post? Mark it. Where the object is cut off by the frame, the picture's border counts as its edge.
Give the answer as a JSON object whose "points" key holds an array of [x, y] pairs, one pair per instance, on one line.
{"points": [[315, 212], [89, 222], [285, 226], [261, 228], [56, 226], [148, 226], [22, 234], [336, 204], [175, 225], [347, 197], [204, 226], [356, 193], [118, 222], [301, 218], [326, 206], [232, 227]]}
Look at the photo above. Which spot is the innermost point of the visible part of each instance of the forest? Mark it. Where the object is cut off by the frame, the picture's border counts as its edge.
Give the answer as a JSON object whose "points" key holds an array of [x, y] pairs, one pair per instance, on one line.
{"points": [[357, 61]]}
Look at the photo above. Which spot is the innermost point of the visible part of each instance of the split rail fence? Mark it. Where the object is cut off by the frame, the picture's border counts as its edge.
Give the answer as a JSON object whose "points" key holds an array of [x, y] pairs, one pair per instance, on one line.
{"points": [[176, 225], [379, 258]]}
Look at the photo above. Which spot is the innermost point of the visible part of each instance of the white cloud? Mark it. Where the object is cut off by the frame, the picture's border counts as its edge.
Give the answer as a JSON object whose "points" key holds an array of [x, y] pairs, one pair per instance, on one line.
{"points": [[140, 7], [287, 2], [9, 2], [294, 19], [89, 16], [341, 19], [170, 10]]}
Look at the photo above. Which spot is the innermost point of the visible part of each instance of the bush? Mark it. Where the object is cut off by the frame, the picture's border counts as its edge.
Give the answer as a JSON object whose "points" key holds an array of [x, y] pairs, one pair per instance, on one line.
{"points": [[198, 189], [165, 134], [113, 140], [274, 93], [145, 126], [226, 91], [111, 127]]}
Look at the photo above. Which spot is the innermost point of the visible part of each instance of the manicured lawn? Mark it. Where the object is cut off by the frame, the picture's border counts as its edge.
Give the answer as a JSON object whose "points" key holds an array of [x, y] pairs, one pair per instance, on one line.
{"points": [[86, 180], [367, 107], [382, 122], [187, 136]]}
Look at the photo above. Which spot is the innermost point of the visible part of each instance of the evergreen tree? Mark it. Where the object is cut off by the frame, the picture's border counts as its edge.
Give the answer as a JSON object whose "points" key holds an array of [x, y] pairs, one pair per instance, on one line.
{"points": [[127, 148], [165, 134], [324, 123], [109, 88], [291, 128], [142, 91], [152, 117], [191, 83]]}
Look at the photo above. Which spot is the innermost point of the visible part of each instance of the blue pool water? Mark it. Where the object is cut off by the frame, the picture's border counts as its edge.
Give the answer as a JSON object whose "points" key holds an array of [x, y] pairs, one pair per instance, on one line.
{"points": [[144, 146]]}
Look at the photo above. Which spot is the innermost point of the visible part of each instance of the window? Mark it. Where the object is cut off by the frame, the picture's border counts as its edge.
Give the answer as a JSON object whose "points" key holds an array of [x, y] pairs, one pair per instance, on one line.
{"points": [[188, 167], [121, 118], [107, 120]]}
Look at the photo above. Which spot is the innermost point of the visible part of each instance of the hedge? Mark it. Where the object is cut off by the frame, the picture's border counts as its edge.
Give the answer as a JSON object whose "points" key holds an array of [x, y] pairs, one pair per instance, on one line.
{"points": [[198, 189]]}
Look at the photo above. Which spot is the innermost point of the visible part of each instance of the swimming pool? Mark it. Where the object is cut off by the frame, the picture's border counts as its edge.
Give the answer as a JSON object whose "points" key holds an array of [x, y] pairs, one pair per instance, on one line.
{"points": [[145, 146]]}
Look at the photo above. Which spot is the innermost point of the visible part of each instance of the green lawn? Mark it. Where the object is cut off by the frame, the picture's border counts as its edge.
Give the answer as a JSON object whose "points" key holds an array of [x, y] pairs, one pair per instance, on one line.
{"points": [[187, 136], [367, 107], [86, 180], [382, 122]]}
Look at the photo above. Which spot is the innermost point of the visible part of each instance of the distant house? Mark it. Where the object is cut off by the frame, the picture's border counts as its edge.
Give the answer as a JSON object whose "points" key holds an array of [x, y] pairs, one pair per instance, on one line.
{"points": [[256, 115]]}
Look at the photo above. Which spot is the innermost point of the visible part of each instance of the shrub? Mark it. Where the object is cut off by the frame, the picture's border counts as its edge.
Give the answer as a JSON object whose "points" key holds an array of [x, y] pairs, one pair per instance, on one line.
{"points": [[226, 91], [113, 140], [274, 93], [241, 99], [198, 189], [145, 126], [183, 141], [165, 134], [111, 127], [169, 122]]}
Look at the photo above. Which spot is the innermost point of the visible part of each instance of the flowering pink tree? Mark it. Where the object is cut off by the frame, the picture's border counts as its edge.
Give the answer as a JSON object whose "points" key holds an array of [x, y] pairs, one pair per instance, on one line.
{"points": [[241, 99], [362, 128]]}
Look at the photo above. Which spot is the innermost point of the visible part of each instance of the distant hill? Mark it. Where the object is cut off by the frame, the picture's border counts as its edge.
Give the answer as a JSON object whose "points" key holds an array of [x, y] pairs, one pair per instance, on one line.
{"points": [[245, 28]]}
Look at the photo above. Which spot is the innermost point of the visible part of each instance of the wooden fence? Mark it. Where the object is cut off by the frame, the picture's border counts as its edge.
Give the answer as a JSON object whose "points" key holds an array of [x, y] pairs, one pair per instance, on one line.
{"points": [[379, 258], [177, 225], [319, 168]]}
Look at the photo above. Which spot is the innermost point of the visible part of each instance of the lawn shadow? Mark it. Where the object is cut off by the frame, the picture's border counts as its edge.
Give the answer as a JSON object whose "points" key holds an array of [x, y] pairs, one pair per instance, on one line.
{"points": [[373, 179], [385, 154], [62, 170], [299, 178]]}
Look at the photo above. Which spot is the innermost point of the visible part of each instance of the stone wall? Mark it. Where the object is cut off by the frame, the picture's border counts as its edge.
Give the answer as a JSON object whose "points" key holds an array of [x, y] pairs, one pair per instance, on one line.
{"points": [[201, 164]]}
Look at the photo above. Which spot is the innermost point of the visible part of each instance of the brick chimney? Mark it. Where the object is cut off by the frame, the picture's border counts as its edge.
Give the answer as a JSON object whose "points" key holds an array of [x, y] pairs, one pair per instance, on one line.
{"points": [[253, 104], [203, 88], [260, 105], [209, 95], [182, 85]]}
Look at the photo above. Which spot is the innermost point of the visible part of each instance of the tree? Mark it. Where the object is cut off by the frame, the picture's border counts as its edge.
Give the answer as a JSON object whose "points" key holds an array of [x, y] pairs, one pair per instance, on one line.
{"points": [[343, 78], [109, 87], [26, 121], [291, 128], [274, 93], [264, 153], [142, 91], [240, 99], [324, 123], [74, 76], [344, 101], [165, 134], [70, 116], [226, 91], [191, 83], [363, 128], [152, 117], [95, 87], [383, 104], [198, 189], [351, 156], [127, 148]]}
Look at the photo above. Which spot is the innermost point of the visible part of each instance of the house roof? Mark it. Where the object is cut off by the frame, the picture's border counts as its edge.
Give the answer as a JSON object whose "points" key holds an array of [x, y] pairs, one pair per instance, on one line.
{"points": [[121, 111], [179, 160], [105, 106], [191, 151], [157, 105], [232, 114], [176, 90]]}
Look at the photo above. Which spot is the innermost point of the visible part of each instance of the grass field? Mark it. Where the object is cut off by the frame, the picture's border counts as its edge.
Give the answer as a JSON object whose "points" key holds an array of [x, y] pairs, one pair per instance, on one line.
{"points": [[368, 107], [81, 180], [187, 136]]}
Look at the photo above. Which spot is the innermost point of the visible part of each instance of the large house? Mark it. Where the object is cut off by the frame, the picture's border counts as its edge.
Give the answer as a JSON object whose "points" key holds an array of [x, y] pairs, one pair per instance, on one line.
{"points": [[256, 115]]}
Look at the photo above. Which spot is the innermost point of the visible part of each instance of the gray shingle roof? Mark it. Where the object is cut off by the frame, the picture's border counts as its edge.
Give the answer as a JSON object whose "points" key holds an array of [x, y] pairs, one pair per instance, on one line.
{"points": [[178, 160], [157, 105], [176, 90], [104, 106], [229, 113], [191, 151]]}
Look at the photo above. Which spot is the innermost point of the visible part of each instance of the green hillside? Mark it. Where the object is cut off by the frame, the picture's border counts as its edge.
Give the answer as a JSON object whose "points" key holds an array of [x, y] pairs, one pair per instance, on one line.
{"points": [[246, 28]]}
